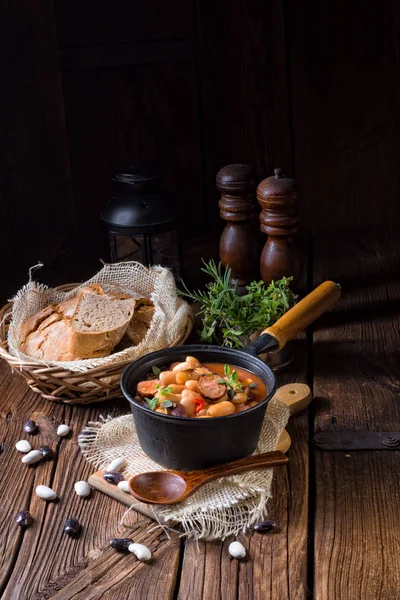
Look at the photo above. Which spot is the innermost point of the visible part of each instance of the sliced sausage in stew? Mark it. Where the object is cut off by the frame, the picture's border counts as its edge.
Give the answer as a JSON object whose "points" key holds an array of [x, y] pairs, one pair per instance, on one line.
{"points": [[147, 389], [210, 388]]}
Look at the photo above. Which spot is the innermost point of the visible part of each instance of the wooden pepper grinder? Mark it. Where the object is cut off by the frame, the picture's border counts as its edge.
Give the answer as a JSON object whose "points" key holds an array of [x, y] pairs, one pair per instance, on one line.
{"points": [[278, 196], [240, 244]]}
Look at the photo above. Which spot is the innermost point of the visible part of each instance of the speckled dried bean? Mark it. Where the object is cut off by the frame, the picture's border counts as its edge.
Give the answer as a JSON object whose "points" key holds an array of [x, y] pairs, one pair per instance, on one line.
{"points": [[30, 427], [46, 452], [113, 477], [24, 518], [120, 544], [264, 526], [72, 527]]}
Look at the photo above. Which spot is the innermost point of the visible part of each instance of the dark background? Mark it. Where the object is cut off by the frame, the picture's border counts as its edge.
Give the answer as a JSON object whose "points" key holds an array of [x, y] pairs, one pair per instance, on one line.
{"points": [[313, 87]]}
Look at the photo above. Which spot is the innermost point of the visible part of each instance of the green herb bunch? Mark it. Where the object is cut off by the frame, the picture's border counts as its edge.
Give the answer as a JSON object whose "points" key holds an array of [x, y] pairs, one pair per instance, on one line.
{"points": [[231, 319]]}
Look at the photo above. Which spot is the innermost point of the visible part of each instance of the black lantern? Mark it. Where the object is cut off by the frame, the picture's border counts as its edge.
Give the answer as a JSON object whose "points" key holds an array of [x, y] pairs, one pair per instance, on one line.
{"points": [[142, 219]]}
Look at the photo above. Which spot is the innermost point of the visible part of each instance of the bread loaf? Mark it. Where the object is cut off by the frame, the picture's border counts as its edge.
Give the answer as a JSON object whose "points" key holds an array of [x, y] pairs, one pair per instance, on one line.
{"points": [[141, 320], [89, 325]]}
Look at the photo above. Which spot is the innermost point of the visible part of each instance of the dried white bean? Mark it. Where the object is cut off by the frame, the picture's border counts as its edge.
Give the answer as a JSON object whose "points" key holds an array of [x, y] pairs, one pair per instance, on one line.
{"points": [[62, 430], [32, 457], [45, 492], [186, 393], [116, 465], [221, 409], [23, 446], [189, 405], [167, 377], [192, 362], [82, 488], [183, 366], [141, 552], [192, 385], [176, 388], [237, 550], [124, 486]]}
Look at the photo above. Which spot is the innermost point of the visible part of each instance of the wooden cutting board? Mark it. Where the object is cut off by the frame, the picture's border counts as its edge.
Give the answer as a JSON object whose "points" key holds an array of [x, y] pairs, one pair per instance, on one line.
{"points": [[297, 396]]}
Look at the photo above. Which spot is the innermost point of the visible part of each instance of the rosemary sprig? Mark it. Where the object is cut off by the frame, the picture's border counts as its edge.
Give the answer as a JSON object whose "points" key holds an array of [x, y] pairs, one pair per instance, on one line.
{"points": [[235, 318]]}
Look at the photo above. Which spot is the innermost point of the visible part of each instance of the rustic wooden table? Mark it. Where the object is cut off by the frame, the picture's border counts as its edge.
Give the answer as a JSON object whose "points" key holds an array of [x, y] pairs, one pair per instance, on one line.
{"points": [[338, 512]]}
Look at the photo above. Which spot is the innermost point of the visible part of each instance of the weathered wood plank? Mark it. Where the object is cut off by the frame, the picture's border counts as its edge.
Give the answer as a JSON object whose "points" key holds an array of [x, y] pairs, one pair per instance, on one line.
{"points": [[356, 387], [356, 345], [121, 576], [276, 566], [357, 517], [43, 562], [17, 404]]}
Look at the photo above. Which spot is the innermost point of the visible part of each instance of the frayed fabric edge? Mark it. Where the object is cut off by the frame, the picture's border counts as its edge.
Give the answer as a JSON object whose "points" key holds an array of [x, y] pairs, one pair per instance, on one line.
{"points": [[220, 524]]}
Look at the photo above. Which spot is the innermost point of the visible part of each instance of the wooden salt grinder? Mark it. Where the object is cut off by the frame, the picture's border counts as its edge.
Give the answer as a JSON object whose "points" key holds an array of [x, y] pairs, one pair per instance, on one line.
{"points": [[239, 246], [278, 196]]}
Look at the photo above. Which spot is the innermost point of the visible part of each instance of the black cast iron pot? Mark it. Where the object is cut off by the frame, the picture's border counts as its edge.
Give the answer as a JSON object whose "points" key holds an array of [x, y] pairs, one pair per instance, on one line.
{"points": [[189, 443]]}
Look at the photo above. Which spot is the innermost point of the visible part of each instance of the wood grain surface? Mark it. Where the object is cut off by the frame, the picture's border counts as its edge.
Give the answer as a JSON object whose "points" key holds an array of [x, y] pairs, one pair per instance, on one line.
{"points": [[356, 387], [357, 513], [355, 348], [42, 562]]}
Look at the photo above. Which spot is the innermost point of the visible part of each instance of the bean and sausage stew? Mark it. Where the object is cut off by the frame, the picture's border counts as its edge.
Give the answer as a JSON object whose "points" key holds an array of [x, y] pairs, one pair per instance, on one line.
{"points": [[192, 389]]}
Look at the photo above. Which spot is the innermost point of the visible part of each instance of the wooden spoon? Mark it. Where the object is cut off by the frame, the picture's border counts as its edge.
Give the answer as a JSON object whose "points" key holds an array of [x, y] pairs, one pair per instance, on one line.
{"points": [[170, 487]]}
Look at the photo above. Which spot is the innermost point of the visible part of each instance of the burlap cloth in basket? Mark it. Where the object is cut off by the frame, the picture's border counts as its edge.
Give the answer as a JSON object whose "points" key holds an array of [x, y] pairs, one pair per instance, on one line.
{"points": [[168, 323], [221, 508]]}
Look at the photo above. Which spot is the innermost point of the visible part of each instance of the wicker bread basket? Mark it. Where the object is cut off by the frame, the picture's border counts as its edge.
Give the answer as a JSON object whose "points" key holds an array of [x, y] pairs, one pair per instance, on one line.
{"points": [[70, 387]]}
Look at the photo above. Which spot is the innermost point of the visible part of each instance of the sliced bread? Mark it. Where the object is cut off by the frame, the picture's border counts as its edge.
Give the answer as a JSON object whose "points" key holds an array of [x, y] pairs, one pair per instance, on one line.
{"points": [[89, 325], [140, 321]]}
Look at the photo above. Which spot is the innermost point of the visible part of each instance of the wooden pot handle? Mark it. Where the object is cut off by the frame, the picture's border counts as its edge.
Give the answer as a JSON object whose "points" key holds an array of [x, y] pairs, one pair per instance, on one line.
{"points": [[304, 313]]}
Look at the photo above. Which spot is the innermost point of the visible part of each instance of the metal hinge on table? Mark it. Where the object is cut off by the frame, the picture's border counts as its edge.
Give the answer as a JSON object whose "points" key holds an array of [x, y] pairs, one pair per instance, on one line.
{"points": [[357, 440]]}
